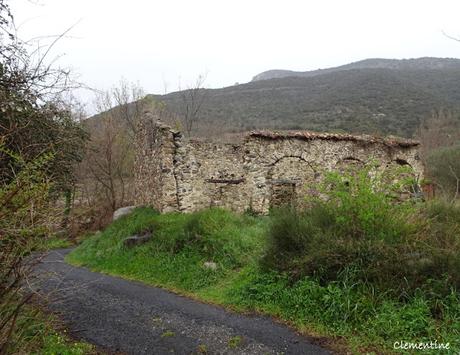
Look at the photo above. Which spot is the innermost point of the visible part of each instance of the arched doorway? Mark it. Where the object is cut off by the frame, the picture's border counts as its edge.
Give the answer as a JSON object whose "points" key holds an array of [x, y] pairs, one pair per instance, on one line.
{"points": [[291, 178]]}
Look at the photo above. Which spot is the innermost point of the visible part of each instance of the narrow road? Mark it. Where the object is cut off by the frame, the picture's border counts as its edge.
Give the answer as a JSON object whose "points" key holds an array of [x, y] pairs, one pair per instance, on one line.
{"points": [[133, 318]]}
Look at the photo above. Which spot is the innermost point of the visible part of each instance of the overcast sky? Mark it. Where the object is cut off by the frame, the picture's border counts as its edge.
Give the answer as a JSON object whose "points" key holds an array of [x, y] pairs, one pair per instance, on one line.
{"points": [[159, 43]]}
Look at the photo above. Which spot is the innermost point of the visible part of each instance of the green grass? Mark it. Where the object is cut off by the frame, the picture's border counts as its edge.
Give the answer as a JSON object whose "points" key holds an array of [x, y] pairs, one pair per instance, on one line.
{"points": [[50, 242], [42, 334], [181, 244], [346, 307], [56, 343], [55, 243]]}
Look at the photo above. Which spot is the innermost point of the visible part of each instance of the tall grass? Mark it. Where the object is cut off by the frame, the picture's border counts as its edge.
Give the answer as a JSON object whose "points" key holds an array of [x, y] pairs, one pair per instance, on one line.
{"points": [[350, 309]]}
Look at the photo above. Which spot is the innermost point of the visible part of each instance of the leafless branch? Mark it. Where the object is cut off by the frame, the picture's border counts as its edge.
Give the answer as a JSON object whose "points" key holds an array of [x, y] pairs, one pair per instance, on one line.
{"points": [[192, 101], [451, 37]]}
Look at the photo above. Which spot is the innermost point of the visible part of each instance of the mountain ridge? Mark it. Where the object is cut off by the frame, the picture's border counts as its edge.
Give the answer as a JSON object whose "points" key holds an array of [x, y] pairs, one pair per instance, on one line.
{"points": [[373, 96], [423, 63]]}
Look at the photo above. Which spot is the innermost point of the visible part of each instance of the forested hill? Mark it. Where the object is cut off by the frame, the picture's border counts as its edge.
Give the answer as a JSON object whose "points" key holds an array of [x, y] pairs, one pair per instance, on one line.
{"points": [[390, 100]]}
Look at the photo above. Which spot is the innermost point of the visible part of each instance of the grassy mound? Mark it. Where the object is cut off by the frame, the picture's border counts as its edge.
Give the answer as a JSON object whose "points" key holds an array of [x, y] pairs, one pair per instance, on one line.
{"points": [[180, 246]]}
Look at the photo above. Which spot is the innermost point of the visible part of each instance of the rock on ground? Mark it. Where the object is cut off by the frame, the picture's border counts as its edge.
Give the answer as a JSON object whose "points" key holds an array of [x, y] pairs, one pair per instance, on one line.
{"points": [[123, 211]]}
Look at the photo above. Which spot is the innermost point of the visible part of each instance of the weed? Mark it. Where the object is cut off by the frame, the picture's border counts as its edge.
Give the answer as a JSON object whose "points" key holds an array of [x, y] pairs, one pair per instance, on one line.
{"points": [[168, 334], [202, 349], [235, 342]]}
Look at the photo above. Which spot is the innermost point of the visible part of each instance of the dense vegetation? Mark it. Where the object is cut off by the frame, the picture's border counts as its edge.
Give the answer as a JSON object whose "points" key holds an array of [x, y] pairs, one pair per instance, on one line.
{"points": [[39, 145], [355, 265], [382, 100]]}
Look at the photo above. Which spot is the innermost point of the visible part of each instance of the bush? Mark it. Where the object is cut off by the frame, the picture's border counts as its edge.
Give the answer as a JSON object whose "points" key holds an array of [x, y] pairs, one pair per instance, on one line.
{"points": [[359, 233]]}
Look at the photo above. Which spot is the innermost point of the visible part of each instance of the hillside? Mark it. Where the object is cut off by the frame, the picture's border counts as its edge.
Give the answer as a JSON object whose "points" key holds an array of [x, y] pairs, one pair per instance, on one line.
{"points": [[358, 97], [426, 63]]}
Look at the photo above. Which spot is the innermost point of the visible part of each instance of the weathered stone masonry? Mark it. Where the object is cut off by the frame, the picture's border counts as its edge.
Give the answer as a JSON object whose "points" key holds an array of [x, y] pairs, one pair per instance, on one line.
{"points": [[173, 174]]}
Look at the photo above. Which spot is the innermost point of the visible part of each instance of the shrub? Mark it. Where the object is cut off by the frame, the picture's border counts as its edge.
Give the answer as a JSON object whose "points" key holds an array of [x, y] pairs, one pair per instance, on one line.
{"points": [[359, 232], [367, 288]]}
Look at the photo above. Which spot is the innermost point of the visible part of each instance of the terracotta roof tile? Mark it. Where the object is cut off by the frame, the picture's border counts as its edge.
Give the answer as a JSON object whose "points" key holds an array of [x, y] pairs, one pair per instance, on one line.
{"points": [[309, 135]]}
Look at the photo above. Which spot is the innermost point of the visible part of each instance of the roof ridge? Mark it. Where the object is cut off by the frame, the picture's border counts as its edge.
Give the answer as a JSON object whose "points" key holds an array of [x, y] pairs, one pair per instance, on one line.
{"points": [[310, 135]]}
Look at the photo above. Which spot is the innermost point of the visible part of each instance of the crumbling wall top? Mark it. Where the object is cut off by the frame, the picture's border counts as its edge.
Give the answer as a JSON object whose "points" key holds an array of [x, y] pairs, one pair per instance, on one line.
{"points": [[309, 135]]}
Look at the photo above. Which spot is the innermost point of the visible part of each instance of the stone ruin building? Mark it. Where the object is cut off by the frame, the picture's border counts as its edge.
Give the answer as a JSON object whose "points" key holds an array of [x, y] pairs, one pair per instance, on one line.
{"points": [[267, 169]]}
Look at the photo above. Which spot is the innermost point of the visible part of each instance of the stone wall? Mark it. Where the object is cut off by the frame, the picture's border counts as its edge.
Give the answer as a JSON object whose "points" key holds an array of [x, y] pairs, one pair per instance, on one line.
{"points": [[154, 174], [267, 169]]}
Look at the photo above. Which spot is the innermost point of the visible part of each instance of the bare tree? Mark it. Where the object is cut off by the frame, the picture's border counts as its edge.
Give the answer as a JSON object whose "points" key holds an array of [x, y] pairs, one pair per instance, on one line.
{"points": [[441, 129], [108, 156], [451, 37], [106, 173], [129, 101], [192, 101]]}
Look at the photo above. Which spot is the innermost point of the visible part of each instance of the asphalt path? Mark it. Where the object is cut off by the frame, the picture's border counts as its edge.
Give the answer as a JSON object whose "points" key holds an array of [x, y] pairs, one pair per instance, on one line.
{"points": [[133, 318]]}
